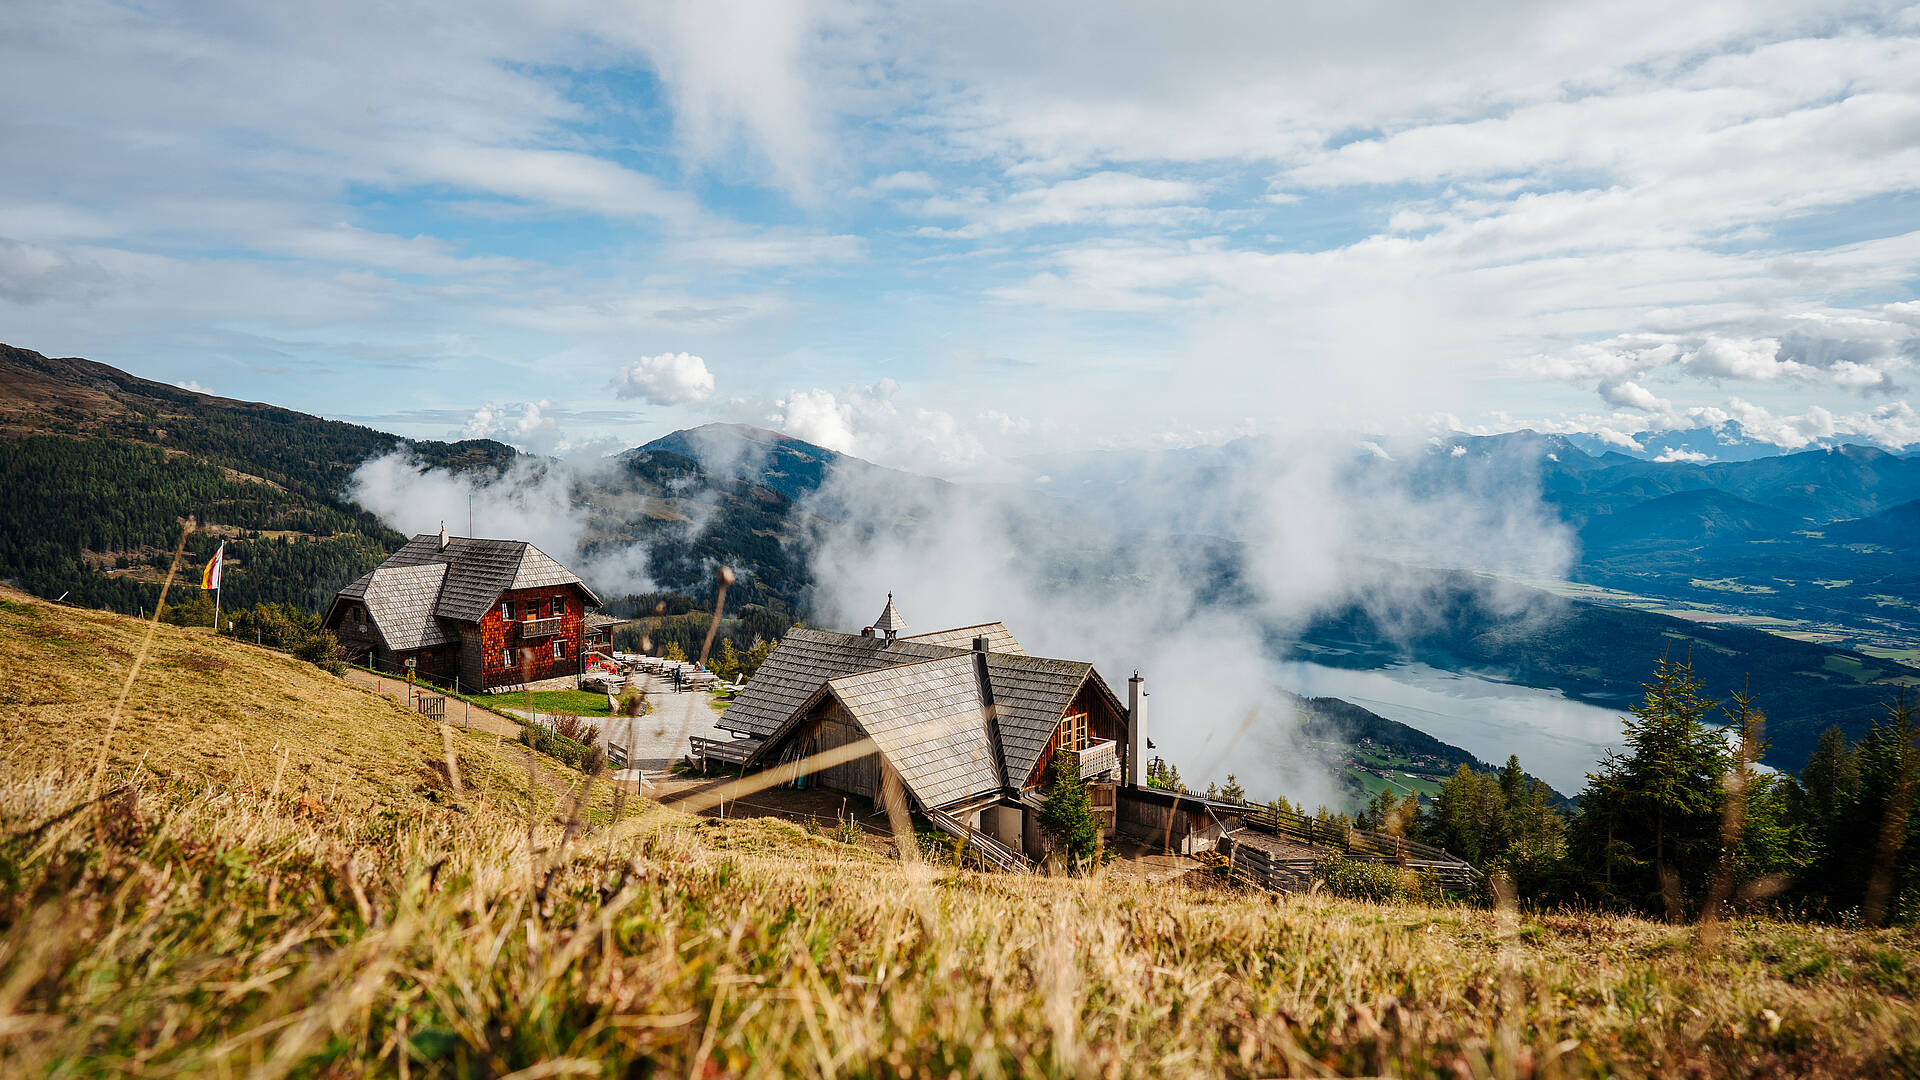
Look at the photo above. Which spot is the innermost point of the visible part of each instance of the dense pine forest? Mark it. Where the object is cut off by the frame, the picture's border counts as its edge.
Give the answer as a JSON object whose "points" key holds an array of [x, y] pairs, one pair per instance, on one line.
{"points": [[100, 471]]}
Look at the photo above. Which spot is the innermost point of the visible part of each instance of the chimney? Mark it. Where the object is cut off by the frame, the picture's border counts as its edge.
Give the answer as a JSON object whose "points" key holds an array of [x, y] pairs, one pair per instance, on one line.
{"points": [[443, 536], [991, 711], [1136, 720]]}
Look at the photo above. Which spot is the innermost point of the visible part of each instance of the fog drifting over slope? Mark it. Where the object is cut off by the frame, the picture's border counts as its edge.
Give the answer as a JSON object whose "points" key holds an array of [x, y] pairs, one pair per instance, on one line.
{"points": [[1128, 579], [1191, 571]]}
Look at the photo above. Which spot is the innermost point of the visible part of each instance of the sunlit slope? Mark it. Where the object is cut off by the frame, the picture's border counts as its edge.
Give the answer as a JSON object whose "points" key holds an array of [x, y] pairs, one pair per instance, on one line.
{"points": [[210, 708]]}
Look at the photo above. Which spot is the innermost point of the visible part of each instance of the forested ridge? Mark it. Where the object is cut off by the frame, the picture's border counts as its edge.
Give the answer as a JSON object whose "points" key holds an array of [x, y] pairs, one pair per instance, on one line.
{"points": [[100, 470]]}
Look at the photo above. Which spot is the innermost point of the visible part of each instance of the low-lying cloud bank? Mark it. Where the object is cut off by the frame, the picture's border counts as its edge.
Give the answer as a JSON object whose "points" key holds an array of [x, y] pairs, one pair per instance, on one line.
{"points": [[1196, 571], [540, 500], [1193, 576]]}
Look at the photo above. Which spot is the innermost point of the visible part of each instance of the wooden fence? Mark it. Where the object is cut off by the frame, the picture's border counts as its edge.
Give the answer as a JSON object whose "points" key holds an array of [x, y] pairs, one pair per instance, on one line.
{"points": [[986, 846], [1359, 844]]}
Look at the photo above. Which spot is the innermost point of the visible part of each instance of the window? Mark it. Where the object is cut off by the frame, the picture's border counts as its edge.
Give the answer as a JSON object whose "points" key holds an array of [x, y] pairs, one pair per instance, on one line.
{"points": [[559, 649], [1073, 732], [506, 658], [559, 605], [506, 610]]}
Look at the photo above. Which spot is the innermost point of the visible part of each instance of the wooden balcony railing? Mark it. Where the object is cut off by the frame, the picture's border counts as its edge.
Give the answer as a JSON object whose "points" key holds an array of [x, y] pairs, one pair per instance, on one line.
{"points": [[1097, 759], [539, 628]]}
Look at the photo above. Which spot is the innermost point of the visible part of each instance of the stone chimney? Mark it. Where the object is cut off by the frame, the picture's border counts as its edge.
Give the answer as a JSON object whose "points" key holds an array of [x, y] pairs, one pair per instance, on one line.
{"points": [[443, 536], [1136, 723]]}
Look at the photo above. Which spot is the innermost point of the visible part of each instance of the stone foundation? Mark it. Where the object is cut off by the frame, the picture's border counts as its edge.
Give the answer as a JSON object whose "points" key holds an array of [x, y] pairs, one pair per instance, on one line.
{"points": [[559, 682]]}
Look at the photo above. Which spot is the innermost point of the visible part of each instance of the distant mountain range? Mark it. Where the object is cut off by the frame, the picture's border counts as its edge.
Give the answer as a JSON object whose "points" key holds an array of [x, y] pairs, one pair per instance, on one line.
{"points": [[1820, 541]]}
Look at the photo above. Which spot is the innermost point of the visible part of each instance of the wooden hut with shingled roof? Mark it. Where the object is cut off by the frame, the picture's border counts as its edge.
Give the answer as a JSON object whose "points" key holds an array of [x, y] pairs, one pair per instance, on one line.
{"points": [[493, 614], [962, 722]]}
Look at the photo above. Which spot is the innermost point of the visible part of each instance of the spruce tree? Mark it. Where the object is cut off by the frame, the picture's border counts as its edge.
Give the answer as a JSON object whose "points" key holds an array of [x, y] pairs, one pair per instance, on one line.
{"points": [[1649, 829], [1068, 816]]}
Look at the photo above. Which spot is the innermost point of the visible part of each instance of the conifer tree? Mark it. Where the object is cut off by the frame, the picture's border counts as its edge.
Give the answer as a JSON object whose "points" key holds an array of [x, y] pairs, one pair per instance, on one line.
{"points": [[1231, 791], [1649, 828], [1068, 816]]}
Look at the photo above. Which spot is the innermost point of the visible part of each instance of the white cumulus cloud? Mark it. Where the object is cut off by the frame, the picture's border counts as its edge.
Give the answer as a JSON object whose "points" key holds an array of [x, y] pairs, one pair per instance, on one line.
{"points": [[666, 379]]}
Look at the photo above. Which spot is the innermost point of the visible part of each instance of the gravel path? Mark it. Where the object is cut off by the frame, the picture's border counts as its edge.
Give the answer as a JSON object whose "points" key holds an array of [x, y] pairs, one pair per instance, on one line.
{"points": [[657, 740]]}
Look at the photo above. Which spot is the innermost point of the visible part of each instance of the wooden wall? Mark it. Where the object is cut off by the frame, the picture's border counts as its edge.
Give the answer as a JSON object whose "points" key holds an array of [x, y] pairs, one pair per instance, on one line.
{"points": [[830, 727], [1102, 723], [496, 634]]}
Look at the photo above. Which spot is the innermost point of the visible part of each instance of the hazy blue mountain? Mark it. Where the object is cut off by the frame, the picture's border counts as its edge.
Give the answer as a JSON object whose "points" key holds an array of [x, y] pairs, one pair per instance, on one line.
{"points": [[1897, 528], [1690, 519]]}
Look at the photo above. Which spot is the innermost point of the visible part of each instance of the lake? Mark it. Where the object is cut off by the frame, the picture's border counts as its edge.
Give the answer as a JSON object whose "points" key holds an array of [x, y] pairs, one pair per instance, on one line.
{"points": [[1558, 740]]}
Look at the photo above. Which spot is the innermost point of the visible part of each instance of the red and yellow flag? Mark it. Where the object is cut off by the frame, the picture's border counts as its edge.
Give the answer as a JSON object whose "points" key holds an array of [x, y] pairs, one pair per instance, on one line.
{"points": [[210, 577]]}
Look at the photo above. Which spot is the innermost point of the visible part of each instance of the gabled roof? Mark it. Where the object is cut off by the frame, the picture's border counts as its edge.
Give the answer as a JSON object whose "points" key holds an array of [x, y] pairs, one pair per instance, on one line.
{"points": [[892, 686], [999, 638], [931, 726], [478, 571], [1030, 694], [400, 600], [800, 666]]}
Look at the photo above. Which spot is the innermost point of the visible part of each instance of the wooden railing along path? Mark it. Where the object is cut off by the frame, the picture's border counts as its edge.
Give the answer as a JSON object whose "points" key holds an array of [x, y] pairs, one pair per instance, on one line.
{"points": [[1359, 844], [990, 849]]}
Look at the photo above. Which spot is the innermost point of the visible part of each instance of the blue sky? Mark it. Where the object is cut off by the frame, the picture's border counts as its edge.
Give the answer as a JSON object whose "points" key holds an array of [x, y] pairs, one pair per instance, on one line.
{"points": [[951, 236]]}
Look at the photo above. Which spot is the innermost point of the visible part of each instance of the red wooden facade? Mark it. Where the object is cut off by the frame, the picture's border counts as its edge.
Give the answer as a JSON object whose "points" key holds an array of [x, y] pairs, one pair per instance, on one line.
{"points": [[545, 637]]}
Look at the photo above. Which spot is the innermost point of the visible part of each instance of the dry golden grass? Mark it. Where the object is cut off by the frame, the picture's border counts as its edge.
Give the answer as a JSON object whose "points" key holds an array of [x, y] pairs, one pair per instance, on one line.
{"points": [[206, 707], [206, 925]]}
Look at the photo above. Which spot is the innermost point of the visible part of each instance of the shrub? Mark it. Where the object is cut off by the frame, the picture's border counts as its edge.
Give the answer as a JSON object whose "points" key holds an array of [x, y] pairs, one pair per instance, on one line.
{"points": [[571, 727], [580, 756], [1380, 882], [322, 649]]}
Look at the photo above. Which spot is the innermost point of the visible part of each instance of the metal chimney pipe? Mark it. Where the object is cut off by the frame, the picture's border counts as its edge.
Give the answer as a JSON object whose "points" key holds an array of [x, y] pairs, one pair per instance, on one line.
{"points": [[1136, 719]]}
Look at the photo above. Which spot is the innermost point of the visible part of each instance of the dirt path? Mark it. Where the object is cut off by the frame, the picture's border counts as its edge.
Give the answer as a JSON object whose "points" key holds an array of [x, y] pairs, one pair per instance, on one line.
{"points": [[459, 713]]}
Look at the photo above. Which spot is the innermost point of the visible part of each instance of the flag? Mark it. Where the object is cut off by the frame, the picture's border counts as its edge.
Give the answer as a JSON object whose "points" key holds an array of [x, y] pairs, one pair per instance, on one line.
{"points": [[210, 577]]}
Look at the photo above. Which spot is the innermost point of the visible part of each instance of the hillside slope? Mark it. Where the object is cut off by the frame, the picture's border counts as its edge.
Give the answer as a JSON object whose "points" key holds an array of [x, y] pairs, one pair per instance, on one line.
{"points": [[214, 710], [351, 920], [98, 468]]}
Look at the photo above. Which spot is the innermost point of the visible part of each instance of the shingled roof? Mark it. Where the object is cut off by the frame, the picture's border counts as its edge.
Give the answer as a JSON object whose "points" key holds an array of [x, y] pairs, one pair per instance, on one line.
{"points": [[890, 622], [805, 659], [400, 600], [999, 638], [478, 571], [413, 595], [930, 724], [906, 693]]}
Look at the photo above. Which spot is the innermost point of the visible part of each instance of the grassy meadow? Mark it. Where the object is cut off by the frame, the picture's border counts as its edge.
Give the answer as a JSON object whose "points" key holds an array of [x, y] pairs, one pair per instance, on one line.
{"points": [[286, 878]]}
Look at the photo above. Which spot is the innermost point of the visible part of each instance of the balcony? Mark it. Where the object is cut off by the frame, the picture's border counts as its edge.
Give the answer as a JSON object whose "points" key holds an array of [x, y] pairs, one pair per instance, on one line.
{"points": [[1098, 760], [539, 628]]}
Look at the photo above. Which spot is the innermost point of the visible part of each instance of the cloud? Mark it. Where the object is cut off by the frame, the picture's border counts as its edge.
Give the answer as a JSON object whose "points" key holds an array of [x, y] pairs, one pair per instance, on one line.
{"points": [[1630, 395], [1680, 454], [525, 424], [533, 499], [1120, 579], [871, 422], [1104, 198], [666, 379]]}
